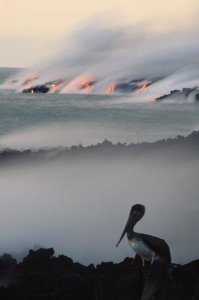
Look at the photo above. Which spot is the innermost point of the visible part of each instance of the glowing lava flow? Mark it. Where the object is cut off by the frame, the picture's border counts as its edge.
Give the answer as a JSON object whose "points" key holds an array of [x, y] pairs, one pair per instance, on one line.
{"points": [[87, 86], [57, 86], [81, 84], [84, 83], [30, 80], [111, 88], [143, 86]]}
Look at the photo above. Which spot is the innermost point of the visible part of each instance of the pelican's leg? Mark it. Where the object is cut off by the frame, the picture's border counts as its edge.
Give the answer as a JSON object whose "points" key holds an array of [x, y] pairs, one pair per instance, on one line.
{"points": [[143, 262]]}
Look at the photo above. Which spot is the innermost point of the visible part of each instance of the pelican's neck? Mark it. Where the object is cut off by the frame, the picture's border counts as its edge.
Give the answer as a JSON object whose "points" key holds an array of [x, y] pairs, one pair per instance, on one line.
{"points": [[130, 230]]}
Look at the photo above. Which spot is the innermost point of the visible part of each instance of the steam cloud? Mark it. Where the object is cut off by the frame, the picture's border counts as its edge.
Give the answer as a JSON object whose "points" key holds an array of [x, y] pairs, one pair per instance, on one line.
{"points": [[98, 55], [80, 207]]}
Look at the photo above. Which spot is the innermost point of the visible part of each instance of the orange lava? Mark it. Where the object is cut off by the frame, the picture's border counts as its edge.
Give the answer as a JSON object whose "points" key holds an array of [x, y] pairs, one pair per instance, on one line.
{"points": [[81, 84], [30, 80], [56, 87], [143, 86], [110, 88], [87, 86]]}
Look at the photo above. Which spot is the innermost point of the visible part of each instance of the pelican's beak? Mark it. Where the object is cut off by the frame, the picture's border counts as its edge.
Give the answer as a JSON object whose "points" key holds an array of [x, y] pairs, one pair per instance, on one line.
{"points": [[125, 230]]}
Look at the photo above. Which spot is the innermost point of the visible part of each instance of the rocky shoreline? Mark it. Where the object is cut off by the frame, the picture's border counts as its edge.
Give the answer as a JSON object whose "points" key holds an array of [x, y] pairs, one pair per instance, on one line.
{"points": [[182, 95], [41, 275]]}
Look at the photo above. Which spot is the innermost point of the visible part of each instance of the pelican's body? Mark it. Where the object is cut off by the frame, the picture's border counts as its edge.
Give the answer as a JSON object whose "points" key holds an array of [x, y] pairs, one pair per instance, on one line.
{"points": [[148, 247], [141, 249]]}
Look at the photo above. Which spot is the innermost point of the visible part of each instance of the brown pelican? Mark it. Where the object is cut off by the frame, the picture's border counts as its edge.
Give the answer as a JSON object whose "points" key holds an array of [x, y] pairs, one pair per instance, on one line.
{"points": [[146, 246]]}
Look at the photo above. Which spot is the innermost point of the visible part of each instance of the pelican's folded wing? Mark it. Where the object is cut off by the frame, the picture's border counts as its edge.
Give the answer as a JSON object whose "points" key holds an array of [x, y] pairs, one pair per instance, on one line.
{"points": [[158, 245]]}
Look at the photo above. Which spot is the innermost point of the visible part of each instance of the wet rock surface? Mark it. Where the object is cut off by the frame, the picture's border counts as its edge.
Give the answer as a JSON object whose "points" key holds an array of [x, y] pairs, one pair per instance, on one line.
{"points": [[41, 275]]}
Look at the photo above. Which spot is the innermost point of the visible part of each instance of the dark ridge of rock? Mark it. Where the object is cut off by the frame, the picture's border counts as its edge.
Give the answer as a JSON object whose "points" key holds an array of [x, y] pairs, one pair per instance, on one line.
{"points": [[179, 149], [181, 95], [37, 257], [7, 269], [42, 276]]}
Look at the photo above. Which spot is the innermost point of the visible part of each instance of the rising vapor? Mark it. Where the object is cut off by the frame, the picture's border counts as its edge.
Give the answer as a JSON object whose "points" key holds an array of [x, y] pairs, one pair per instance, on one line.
{"points": [[100, 58]]}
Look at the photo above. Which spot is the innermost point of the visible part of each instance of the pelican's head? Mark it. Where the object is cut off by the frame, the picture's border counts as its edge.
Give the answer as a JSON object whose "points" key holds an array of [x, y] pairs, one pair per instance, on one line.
{"points": [[136, 213]]}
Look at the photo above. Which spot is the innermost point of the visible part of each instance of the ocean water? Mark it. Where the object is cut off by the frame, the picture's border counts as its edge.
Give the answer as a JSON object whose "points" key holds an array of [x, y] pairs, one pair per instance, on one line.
{"points": [[74, 119], [80, 207]]}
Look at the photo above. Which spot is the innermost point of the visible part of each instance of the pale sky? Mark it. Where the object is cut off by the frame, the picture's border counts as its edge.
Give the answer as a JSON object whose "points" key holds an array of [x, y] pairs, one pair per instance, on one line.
{"points": [[30, 29]]}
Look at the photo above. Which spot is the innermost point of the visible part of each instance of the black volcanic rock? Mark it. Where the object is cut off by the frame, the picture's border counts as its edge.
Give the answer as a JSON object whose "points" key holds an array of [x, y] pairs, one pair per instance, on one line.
{"points": [[7, 269], [42, 88], [42, 276], [37, 89], [181, 95], [133, 85]]}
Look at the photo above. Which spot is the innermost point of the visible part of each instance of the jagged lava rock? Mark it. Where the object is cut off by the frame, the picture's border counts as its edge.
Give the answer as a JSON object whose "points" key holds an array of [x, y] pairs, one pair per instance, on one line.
{"points": [[41, 275], [185, 94]]}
